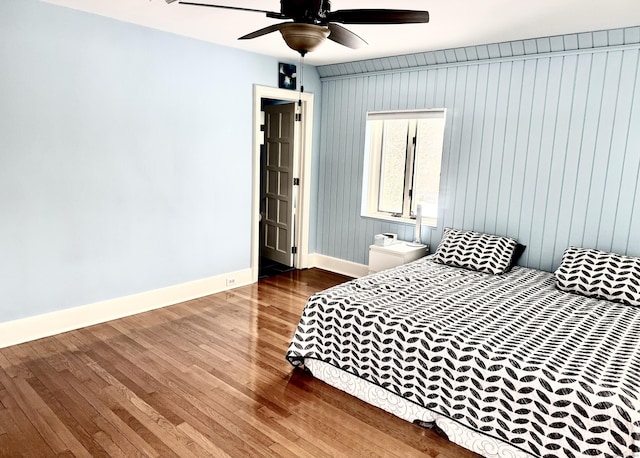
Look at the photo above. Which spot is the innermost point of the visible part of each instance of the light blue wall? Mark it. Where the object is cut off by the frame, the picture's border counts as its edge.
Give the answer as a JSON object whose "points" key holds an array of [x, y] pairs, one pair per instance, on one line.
{"points": [[542, 143], [125, 157]]}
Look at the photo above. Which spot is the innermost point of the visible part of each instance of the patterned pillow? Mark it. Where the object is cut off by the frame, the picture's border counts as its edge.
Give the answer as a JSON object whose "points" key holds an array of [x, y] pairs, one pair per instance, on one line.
{"points": [[476, 251], [600, 274]]}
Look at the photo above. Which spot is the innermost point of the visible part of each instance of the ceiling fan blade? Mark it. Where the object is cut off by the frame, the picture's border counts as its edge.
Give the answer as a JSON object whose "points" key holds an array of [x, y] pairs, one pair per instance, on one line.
{"points": [[224, 7], [378, 16], [345, 37], [259, 33]]}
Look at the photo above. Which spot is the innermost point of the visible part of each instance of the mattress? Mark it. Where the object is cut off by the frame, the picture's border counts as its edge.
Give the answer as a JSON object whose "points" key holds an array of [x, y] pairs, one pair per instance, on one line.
{"points": [[508, 357]]}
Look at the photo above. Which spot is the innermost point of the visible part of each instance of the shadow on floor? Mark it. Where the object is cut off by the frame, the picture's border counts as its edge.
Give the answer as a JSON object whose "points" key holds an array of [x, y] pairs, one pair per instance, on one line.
{"points": [[269, 268]]}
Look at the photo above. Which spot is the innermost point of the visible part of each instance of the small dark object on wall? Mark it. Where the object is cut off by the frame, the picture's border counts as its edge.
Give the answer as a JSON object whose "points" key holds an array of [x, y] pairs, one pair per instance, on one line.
{"points": [[287, 76]]}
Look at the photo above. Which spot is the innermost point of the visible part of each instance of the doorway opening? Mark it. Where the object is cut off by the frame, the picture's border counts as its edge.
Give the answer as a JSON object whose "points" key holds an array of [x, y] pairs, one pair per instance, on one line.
{"points": [[281, 184], [278, 190]]}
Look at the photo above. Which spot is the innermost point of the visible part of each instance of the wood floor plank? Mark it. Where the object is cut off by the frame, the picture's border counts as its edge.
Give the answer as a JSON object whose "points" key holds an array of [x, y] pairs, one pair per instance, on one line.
{"points": [[168, 433], [73, 416], [203, 440], [9, 446], [37, 446], [147, 415], [195, 402], [114, 425], [203, 378], [48, 424], [213, 404]]}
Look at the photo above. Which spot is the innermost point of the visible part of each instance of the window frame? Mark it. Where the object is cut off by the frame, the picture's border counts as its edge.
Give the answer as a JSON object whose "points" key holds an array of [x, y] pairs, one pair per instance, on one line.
{"points": [[373, 163]]}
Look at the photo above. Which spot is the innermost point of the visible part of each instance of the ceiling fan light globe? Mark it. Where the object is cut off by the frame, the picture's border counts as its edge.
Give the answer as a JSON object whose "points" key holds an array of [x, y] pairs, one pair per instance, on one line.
{"points": [[303, 37]]}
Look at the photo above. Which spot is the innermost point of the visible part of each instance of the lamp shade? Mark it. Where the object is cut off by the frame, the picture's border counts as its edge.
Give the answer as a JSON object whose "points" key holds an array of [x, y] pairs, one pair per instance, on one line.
{"points": [[303, 37]]}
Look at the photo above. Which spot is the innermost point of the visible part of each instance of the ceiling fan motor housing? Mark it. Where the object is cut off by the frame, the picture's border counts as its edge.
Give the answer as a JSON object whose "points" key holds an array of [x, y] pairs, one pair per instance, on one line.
{"points": [[308, 11]]}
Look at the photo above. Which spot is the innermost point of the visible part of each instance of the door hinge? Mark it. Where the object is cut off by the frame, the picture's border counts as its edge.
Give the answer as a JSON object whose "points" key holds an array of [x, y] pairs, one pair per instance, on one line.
{"points": [[294, 250], [298, 116], [296, 181]]}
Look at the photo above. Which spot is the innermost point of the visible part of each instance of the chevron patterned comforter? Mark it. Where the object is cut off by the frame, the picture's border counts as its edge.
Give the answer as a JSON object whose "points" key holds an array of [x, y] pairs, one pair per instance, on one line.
{"points": [[551, 373]]}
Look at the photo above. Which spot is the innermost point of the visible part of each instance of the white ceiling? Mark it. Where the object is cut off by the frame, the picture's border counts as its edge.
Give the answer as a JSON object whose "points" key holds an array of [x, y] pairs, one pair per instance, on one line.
{"points": [[453, 23]]}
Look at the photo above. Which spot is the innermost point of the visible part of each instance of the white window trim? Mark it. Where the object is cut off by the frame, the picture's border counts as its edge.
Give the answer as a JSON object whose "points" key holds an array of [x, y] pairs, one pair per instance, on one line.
{"points": [[428, 222], [371, 185]]}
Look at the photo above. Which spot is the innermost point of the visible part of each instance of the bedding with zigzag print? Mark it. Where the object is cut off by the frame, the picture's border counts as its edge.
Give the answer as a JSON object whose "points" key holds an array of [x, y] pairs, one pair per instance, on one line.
{"points": [[510, 356]]}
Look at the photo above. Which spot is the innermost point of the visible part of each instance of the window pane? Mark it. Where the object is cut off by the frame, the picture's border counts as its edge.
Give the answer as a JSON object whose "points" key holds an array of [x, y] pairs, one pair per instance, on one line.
{"points": [[426, 174], [392, 166]]}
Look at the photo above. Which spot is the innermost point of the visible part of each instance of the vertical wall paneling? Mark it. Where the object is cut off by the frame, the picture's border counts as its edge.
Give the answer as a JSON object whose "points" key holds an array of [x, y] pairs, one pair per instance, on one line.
{"points": [[623, 88], [551, 163], [463, 114], [328, 146], [496, 148], [602, 149], [485, 149], [582, 229], [528, 224], [541, 143], [627, 208], [559, 154], [347, 168], [589, 168], [522, 162], [360, 125], [338, 163], [478, 86], [510, 162], [572, 154]]}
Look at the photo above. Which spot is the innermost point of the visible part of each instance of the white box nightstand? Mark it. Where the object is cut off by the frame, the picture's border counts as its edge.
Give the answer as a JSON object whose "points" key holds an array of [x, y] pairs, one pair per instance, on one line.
{"points": [[386, 257]]}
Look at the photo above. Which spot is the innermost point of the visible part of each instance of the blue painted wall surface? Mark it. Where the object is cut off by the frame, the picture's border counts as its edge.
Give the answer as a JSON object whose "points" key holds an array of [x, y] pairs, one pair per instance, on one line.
{"points": [[125, 157], [542, 143]]}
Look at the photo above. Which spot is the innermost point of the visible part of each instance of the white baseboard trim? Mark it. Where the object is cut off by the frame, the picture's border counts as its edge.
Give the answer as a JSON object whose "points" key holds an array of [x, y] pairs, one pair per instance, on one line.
{"points": [[48, 324], [339, 266]]}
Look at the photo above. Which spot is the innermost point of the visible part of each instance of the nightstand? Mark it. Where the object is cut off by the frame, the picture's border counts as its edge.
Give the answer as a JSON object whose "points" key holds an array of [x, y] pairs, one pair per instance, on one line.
{"points": [[396, 254]]}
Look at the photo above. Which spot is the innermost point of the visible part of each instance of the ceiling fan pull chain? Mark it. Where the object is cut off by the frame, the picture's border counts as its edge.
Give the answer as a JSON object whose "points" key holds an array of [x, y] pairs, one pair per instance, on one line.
{"points": [[301, 80]]}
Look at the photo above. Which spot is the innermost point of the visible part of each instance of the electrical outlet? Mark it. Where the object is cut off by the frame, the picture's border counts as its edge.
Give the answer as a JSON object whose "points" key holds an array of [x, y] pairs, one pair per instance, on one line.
{"points": [[231, 281]]}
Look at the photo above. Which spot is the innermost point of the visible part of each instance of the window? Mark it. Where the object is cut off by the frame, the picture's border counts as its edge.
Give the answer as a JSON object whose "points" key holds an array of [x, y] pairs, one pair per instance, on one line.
{"points": [[403, 153]]}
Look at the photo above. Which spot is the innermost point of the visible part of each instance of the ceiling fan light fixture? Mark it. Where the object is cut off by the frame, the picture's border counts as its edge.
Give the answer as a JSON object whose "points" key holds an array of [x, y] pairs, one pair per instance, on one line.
{"points": [[303, 37]]}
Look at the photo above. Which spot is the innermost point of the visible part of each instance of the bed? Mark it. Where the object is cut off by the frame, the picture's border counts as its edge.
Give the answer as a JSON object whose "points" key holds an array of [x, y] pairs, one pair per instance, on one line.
{"points": [[506, 365]]}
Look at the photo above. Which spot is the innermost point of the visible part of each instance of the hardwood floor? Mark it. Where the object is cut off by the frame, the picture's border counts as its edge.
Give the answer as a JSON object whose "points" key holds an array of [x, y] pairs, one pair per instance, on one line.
{"points": [[202, 378]]}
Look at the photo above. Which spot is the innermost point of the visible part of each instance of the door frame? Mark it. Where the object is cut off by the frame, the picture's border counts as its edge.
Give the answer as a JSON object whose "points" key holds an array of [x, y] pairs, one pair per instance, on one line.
{"points": [[302, 152]]}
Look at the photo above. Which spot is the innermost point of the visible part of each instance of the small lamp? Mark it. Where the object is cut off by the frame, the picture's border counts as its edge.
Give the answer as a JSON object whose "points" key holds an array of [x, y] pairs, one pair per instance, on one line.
{"points": [[417, 238]]}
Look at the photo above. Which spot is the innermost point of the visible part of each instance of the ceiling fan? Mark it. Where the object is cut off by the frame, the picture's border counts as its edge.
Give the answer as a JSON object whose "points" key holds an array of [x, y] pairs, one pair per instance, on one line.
{"points": [[312, 21]]}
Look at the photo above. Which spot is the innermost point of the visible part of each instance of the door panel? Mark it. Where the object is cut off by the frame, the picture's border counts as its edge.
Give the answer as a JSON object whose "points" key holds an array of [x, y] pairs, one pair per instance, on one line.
{"points": [[277, 188]]}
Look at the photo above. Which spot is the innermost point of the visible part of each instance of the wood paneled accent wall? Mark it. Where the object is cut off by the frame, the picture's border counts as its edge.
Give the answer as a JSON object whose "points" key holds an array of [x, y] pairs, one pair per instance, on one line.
{"points": [[542, 143]]}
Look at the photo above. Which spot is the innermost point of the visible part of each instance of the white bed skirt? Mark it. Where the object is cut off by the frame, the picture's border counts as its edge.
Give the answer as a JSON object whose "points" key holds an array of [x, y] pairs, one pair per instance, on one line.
{"points": [[398, 406]]}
